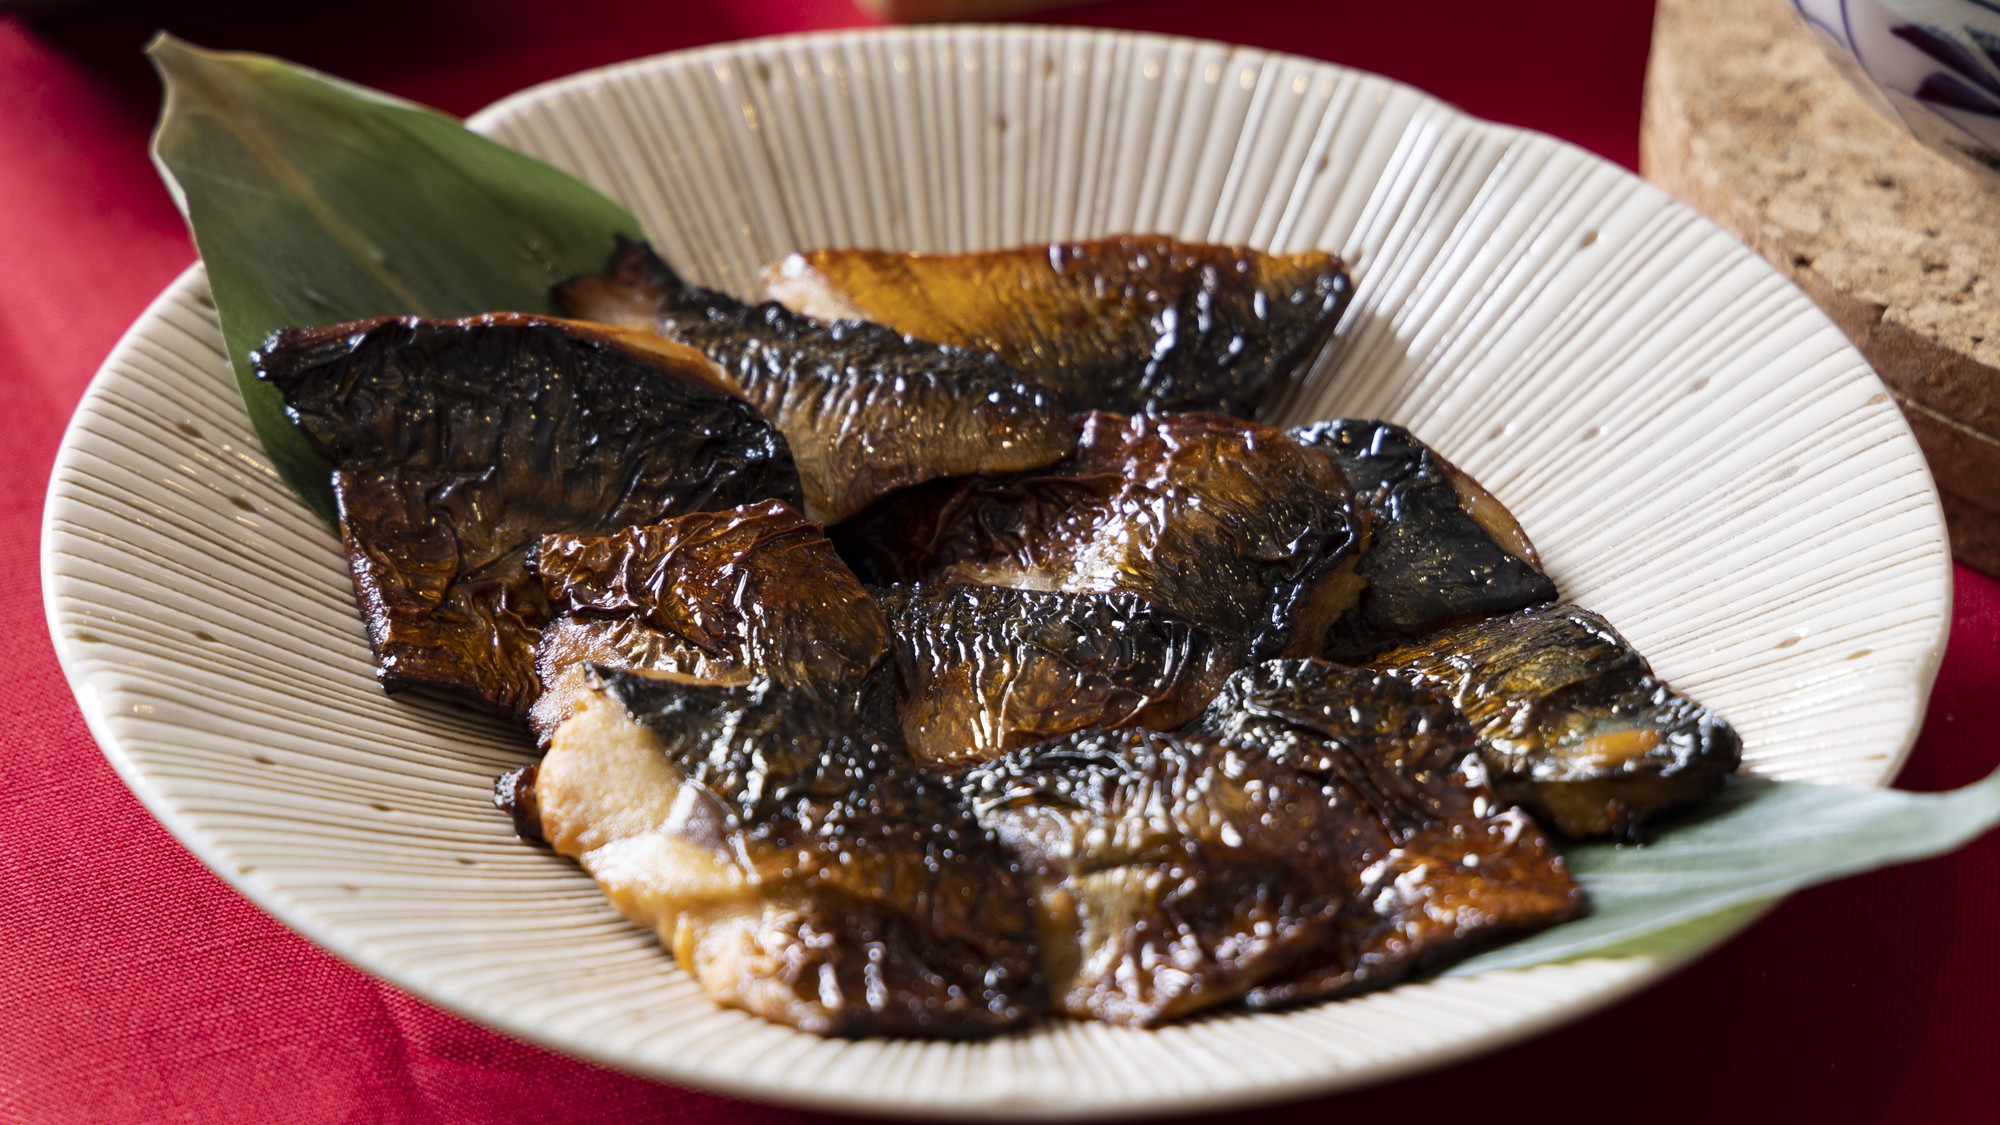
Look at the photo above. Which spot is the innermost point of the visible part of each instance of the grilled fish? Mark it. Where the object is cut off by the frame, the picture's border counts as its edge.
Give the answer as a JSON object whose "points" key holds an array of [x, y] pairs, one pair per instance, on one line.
{"points": [[720, 596], [981, 670], [1278, 848], [739, 786], [1132, 324], [1170, 873], [1435, 866], [867, 410], [457, 443], [1571, 721], [1440, 549], [1229, 525], [798, 866]]}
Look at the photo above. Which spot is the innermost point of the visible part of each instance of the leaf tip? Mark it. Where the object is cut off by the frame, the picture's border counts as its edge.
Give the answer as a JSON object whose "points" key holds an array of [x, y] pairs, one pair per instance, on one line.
{"points": [[171, 55]]}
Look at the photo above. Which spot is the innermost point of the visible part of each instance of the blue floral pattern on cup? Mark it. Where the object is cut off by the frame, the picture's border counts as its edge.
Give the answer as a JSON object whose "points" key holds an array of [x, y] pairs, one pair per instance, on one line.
{"points": [[1934, 64], [1974, 87]]}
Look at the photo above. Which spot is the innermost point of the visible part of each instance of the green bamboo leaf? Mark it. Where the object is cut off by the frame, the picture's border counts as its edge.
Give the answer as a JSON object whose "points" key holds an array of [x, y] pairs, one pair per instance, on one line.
{"points": [[1760, 840], [313, 200]]}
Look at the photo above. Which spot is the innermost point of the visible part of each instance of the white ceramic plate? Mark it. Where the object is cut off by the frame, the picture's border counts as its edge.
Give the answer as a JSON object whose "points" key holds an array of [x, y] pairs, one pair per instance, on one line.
{"points": [[1696, 450]]}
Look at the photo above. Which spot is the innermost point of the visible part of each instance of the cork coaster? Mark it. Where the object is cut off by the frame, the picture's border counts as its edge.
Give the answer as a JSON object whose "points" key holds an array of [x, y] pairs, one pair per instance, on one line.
{"points": [[1748, 122]]}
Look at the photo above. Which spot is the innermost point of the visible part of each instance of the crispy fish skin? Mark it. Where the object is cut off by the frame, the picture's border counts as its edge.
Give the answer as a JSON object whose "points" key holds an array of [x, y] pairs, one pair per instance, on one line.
{"points": [[1435, 865], [1228, 524], [514, 794], [1444, 893], [457, 443], [982, 670], [1170, 872], [1571, 720], [867, 410], [721, 596], [1316, 831], [571, 642], [799, 867], [1133, 324], [1440, 549]]}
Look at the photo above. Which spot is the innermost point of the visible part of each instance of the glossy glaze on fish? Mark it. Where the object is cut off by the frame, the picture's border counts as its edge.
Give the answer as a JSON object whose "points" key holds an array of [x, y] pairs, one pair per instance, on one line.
{"points": [[981, 670], [1571, 721], [1132, 324], [866, 410], [720, 596], [1440, 550], [458, 443], [1227, 524], [1279, 848], [1435, 865], [797, 865], [1170, 872]]}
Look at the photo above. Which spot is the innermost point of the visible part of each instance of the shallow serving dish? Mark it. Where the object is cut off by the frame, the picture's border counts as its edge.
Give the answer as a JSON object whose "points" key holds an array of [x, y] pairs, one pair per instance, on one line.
{"points": [[1695, 449]]}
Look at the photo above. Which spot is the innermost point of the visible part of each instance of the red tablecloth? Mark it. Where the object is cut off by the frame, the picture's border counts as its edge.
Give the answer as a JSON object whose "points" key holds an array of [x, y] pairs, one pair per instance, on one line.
{"points": [[136, 987]]}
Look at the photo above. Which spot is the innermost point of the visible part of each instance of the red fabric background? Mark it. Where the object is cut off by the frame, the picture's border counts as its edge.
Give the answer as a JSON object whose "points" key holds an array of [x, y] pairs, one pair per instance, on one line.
{"points": [[136, 987]]}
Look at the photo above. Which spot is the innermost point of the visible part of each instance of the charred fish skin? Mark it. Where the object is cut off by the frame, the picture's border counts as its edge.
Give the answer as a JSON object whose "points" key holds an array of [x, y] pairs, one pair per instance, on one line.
{"points": [[1387, 742], [1436, 866], [572, 642], [1572, 722], [1444, 894], [1228, 524], [994, 522], [798, 866], [1170, 872], [514, 794], [436, 620], [867, 410], [1132, 324], [1429, 562], [457, 443], [719, 596], [983, 670], [1317, 831]]}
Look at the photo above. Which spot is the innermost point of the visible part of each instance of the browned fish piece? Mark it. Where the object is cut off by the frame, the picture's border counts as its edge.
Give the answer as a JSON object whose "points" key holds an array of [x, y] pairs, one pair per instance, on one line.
{"points": [[571, 642], [1133, 323], [981, 670], [1229, 525], [1571, 720], [1170, 872], [1284, 846], [866, 410], [458, 443], [1445, 893], [718, 596], [1435, 865], [739, 786], [1440, 549], [797, 865], [514, 794]]}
